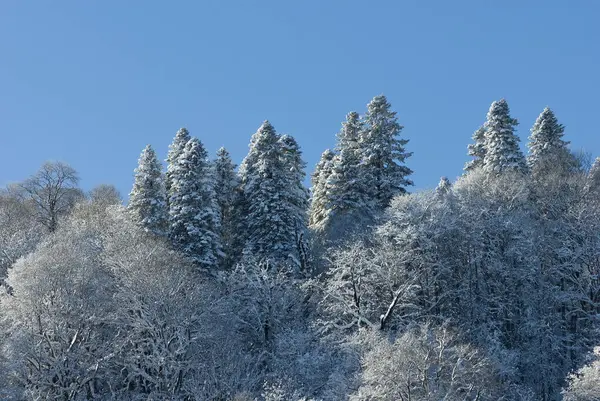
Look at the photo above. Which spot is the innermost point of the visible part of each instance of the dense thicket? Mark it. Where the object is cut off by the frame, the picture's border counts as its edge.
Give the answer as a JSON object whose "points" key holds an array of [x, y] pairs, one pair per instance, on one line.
{"points": [[214, 284]]}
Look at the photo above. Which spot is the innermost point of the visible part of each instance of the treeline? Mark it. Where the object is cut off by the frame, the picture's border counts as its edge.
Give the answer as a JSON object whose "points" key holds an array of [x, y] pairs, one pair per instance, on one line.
{"points": [[218, 284]]}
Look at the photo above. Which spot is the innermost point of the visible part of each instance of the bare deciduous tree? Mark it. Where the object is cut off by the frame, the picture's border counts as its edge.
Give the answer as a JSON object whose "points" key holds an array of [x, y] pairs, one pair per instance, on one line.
{"points": [[53, 190]]}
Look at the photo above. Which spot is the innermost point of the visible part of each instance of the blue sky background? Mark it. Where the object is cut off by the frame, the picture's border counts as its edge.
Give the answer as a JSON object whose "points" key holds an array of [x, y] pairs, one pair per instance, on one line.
{"points": [[92, 82]]}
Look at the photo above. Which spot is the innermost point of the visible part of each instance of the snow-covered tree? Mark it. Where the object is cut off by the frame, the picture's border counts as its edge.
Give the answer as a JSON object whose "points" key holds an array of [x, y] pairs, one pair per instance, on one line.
{"points": [[502, 151], [319, 203], [383, 154], [584, 385], [226, 183], [53, 190], [295, 197], [476, 150], [426, 364], [348, 188], [593, 179], [106, 195], [194, 218], [182, 136], [267, 193], [546, 146], [147, 200], [444, 187]]}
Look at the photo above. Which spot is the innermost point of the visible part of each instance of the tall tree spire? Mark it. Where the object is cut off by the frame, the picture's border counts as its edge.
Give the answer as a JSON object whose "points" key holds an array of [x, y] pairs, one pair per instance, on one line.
{"points": [[501, 143], [193, 215], [182, 136], [147, 202], [383, 153], [546, 146]]}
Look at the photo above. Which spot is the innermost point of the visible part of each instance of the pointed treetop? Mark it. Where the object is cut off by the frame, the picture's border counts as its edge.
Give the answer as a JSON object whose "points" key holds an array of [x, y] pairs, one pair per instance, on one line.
{"points": [[147, 201], [545, 142], [476, 150], [501, 143], [444, 186]]}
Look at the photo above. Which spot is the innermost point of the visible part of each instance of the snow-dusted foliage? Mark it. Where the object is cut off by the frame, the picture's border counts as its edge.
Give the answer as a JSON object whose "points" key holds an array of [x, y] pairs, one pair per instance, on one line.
{"points": [[485, 288], [444, 187], [502, 151], [593, 179], [383, 154], [106, 195], [546, 146], [427, 364], [226, 184], [271, 176], [476, 150], [147, 200], [348, 188], [182, 136], [20, 230], [318, 202], [194, 218], [584, 385]]}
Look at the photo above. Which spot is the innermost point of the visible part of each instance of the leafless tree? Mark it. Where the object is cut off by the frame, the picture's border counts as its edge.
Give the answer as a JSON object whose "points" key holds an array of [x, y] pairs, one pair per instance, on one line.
{"points": [[53, 190]]}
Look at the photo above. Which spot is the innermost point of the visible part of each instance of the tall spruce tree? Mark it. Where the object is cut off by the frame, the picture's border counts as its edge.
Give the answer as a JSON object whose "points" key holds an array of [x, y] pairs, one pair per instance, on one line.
{"points": [[347, 186], [295, 197], [502, 151], [193, 214], [383, 153], [476, 150], [266, 195], [318, 202], [546, 146], [226, 183], [182, 136], [147, 201]]}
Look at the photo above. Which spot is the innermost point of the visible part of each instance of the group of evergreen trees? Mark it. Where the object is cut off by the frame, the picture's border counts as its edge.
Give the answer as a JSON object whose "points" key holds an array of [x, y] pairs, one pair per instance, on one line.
{"points": [[485, 288], [215, 216]]}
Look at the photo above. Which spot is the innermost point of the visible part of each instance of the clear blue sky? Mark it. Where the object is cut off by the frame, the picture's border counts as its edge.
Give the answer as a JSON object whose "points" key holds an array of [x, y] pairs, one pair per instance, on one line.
{"points": [[92, 82]]}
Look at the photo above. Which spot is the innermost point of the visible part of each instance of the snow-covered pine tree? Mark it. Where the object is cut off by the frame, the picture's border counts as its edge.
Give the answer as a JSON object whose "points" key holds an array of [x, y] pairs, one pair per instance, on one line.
{"points": [[318, 203], [501, 142], [348, 187], [226, 182], [266, 200], [444, 187], [147, 201], [182, 136], [383, 153], [295, 197], [476, 150], [194, 216], [546, 147]]}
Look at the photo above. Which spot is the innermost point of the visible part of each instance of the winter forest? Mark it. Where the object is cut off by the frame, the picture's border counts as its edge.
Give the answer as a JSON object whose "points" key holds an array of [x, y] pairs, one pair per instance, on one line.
{"points": [[219, 282]]}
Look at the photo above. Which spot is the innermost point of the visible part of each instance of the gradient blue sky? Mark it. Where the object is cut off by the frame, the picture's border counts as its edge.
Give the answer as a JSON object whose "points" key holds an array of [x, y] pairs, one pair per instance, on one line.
{"points": [[92, 82]]}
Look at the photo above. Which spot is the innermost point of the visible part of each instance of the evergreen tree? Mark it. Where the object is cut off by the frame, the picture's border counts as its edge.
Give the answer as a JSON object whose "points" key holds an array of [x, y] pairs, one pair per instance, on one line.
{"points": [[444, 187], [476, 150], [383, 153], [226, 183], [194, 215], [175, 149], [318, 204], [501, 143], [295, 196], [546, 147], [147, 202], [266, 197], [347, 187]]}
